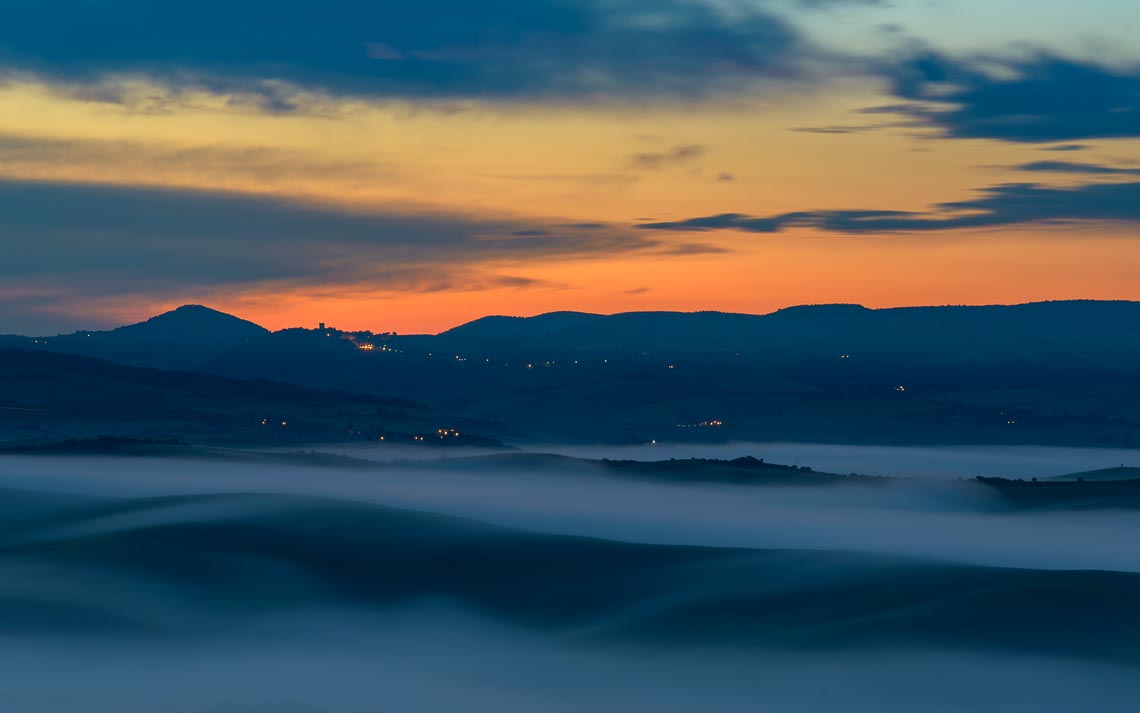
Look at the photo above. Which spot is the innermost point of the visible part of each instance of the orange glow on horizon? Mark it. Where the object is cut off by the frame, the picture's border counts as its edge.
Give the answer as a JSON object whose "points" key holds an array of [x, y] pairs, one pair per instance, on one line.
{"points": [[576, 165], [772, 273]]}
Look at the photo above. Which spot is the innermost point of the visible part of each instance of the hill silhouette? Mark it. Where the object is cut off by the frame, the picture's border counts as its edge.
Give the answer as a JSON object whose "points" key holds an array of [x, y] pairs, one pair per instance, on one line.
{"points": [[192, 323], [1044, 373], [182, 338], [1039, 373], [1065, 327]]}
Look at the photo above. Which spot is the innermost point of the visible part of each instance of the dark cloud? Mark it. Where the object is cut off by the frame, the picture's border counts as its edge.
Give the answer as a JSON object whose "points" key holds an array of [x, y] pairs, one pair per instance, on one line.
{"points": [[1066, 147], [655, 161], [266, 165], [618, 49], [1041, 99], [693, 249], [725, 177], [584, 226], [850, 128], [833, 129], [1008, 204], [110, 240], [1085, 169]]}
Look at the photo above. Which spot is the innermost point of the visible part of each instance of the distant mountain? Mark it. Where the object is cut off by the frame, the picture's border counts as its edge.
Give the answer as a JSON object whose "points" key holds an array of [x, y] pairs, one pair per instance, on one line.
{"points": [[184, 338], [499, 327], [192, 323], [1041, 373], [1049, 326], [1058, 372]]}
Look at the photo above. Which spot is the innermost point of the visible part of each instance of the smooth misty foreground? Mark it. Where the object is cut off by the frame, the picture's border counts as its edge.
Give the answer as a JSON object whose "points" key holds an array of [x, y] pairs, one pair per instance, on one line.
{"points": [[263, 584]]}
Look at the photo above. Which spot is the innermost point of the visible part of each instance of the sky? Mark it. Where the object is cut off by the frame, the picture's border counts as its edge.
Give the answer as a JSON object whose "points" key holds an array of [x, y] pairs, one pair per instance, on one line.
{"points": [[412, 166]]}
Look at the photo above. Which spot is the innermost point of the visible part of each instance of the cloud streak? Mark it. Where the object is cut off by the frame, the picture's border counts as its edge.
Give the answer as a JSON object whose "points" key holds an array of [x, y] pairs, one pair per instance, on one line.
{"points": [[1084, 169], [658, 160], [215, 165], [74, 241], [996, 206]]}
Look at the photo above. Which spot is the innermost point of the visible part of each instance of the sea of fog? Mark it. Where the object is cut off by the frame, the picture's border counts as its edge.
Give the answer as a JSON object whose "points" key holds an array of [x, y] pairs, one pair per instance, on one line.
{"points": [[231, 586], [936, 519], [915, 461]]}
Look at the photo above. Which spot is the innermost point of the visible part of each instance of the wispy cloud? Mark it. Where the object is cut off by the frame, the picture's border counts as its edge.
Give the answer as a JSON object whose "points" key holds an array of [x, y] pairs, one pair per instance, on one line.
{"points": [[1003, 205], [693, 249], [1084, 169], [84, 240], [123, 161], [657, 160]]}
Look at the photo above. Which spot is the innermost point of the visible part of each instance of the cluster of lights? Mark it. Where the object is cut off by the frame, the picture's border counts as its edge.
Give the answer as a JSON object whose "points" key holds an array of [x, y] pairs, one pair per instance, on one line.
{"points": [[714, 423], [447, 433], [364, 346], [900, 389], [460, 359]]}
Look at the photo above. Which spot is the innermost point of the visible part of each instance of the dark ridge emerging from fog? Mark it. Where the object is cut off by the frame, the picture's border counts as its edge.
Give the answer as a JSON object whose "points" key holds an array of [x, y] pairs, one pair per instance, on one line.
{"points": [[747, 470], [1109, 489], [1104, 474]]}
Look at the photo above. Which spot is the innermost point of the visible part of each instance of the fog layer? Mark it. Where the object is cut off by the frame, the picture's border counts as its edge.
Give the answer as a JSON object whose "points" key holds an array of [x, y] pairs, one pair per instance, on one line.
{"points": [[141, 584]]}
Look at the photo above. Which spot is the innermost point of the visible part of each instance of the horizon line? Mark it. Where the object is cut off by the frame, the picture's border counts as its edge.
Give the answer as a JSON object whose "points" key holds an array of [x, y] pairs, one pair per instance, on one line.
{"points": [[857, 305]]}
